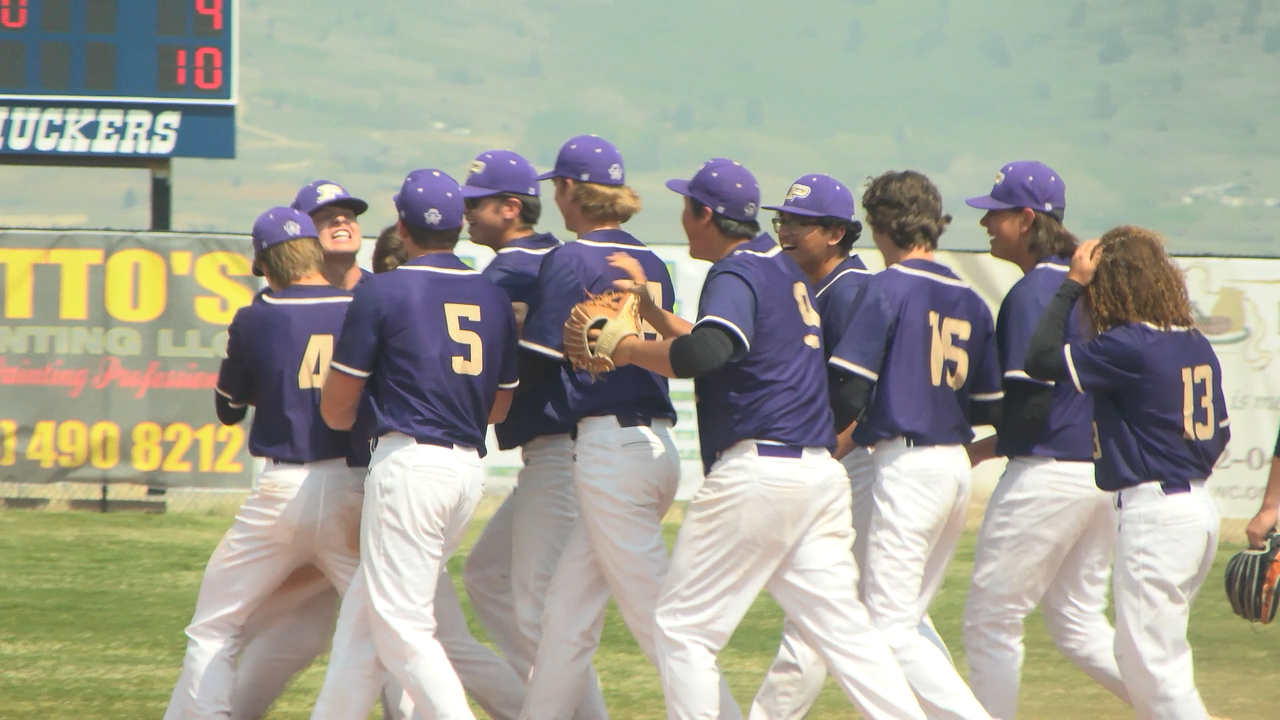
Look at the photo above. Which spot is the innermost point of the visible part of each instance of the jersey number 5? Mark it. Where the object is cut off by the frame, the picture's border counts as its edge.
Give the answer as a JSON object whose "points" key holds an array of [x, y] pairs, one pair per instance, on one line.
{"points": [[944, 331], [473, 362], [315, 362], [808, 314], [1191, 377]]}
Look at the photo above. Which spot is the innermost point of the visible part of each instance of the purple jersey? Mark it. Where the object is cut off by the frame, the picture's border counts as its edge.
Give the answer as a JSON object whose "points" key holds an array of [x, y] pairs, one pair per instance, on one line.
{"points": [[435, 341], [927, 341], [515, 270], [1157, 403], [837, 300], [1068, 433], [362, 430], [278, 351], [568, 273], [775, 386]]}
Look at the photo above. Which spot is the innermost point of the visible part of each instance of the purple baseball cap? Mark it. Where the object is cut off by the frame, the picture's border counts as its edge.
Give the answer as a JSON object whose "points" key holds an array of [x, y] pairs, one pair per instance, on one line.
{"points": [[817, 196], [500, 171], [588, 158], [725, 186], [1025, 184], [430, 199], [277, 225], [323, 193]]}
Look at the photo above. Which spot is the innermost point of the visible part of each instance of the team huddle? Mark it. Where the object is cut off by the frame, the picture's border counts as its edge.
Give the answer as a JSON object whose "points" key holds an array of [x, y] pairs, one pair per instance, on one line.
{"points": [[835, 411]]}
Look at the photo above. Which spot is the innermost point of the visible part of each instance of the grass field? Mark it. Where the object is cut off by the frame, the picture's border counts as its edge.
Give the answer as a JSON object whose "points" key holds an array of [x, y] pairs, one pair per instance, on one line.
{"points": [[92, 609]]}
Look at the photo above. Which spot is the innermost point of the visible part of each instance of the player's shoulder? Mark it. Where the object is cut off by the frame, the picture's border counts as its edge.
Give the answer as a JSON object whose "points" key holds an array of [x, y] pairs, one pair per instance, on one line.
{"points": [[845, 281]]}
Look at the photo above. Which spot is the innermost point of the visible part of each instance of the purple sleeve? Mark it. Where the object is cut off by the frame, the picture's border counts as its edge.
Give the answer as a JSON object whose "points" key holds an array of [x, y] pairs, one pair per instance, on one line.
{"points": [[509, 375], [1108, 362], [359, 343], [728, 302], [862, 346], [987, 385], [1019, 315], [234, 380], [559, 288]]}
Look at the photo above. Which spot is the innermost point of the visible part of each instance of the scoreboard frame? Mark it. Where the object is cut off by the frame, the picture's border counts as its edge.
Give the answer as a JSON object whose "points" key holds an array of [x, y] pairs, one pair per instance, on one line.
{"points": [[125, 130]]}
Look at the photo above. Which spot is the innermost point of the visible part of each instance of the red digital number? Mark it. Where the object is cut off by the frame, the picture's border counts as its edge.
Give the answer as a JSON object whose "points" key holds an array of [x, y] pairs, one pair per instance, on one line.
{"points": [[210, 8], [208, 73], [180, 67], [13, 14]]}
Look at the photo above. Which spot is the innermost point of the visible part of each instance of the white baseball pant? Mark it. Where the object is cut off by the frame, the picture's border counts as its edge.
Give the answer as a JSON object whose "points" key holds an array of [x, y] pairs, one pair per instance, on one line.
{"points": [[781, 523], [285, 635], [921, 499], [1046, 539], [1164, 551], [297, 515], [795, 679], [486, 575], [626, 479], [419, 500]]}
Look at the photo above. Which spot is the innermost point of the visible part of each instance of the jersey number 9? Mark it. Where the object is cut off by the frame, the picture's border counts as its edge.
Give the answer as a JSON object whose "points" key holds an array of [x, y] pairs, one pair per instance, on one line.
{"points": [[473, 362], [808, 314], [944, 332]]}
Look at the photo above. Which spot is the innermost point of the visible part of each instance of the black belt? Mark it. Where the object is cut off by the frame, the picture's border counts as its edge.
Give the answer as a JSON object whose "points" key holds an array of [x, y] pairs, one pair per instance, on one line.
{"points": [[791, 452], [286, 462], [1169, 487], [625, 421]]}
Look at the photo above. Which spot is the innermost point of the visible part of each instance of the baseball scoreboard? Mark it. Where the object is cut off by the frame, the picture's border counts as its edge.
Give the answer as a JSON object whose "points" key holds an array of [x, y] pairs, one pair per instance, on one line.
{"points": [[118, 78]]}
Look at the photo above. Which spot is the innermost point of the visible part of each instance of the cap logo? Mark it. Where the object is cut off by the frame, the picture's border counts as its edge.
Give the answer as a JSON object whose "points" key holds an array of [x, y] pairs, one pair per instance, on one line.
{"points": [[327, 192], [477, 167], [584, 177], [1048, 207], [750, 209], [1000, 177], [293, 228], [797, 192], [432, 216], [615, 172]]}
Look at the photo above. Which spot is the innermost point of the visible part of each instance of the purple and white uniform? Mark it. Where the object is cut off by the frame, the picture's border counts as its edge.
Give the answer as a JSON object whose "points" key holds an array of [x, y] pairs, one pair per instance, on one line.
{"points": [[304, 509], [766, 427], [435, 342], [1049, 532], [927, 342]]}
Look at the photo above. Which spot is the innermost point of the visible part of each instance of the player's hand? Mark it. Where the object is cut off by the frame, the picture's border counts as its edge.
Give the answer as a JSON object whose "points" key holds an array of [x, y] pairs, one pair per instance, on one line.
{"points": [[1085, 262], [636, 281], [1261, 527]]}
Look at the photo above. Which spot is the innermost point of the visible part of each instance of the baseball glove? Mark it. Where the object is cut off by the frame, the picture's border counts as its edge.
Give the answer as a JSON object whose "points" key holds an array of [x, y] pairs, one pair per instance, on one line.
{"points": [[1252, 579], [615, 315]]}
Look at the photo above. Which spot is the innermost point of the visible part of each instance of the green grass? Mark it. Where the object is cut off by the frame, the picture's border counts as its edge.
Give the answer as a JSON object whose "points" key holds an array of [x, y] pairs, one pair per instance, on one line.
{"points": [[92, 609]]}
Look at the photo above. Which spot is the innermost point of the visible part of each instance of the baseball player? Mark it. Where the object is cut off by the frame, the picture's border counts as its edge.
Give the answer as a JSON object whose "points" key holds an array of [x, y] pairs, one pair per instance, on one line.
{"points": [[511, 564], [1264, 523], [388, 250], [305, 507], [435, 377], [626, 468], [1161, 423], [334, 212], [924, 341], [817, 229], [1049, 531], [765, 428]]}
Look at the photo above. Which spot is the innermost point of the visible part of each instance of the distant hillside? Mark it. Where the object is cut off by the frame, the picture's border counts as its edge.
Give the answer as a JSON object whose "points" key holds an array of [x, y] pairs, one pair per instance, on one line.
{"points": [[1161, 112]]}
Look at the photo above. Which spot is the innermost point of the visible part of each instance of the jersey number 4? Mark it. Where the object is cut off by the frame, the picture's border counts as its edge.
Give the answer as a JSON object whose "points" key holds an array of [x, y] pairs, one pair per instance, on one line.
{"points": [[473, 362], [1192, 377], [315, 362], [944, 332]]}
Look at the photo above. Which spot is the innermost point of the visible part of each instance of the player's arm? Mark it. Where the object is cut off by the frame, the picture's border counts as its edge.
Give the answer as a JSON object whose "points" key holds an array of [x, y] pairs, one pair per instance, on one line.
{"points": [[234, 392], [1260, 527], [719, 337], [501, 406], [1046, 358], [353, 359], [666, 323], [508, 372]]}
